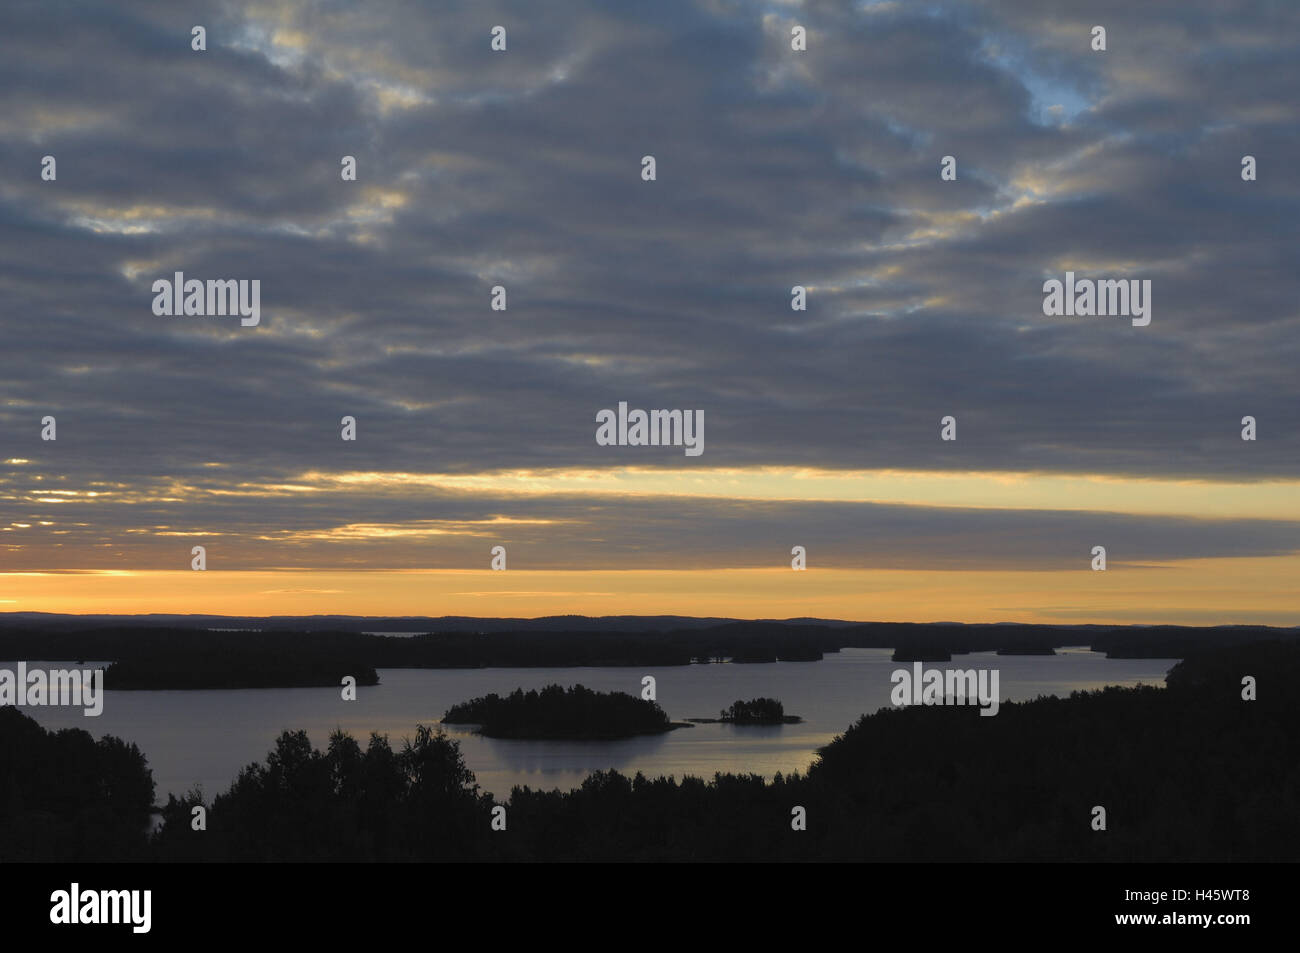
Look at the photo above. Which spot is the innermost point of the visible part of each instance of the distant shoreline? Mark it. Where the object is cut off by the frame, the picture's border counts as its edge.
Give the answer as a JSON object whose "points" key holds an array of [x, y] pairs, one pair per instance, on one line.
{"points": [[165, 657]]}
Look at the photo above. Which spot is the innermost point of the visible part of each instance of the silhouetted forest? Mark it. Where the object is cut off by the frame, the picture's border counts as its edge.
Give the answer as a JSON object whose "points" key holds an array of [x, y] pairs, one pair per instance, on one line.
{"points": [[253, 668], [65, 796], [172, 657], [417, 803], [756, 711], [557, 712], [1192, 772]]}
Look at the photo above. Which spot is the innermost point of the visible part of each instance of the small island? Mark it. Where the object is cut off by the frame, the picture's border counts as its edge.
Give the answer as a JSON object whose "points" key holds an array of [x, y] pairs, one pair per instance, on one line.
{"points": [[756, 711], [555, 712]]}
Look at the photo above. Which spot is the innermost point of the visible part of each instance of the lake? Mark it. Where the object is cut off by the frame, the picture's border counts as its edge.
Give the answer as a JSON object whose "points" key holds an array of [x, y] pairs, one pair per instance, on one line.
{"points": [[205, 737]]}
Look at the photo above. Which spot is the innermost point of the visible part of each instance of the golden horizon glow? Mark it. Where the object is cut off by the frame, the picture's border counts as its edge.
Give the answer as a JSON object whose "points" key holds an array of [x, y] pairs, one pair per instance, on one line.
{"points": [[1193, 592], [1019, 490]]}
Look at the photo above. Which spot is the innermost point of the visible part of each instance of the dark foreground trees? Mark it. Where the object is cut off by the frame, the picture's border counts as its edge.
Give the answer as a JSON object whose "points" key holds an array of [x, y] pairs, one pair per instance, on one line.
{"points": [[417, 803], [66, 796]]}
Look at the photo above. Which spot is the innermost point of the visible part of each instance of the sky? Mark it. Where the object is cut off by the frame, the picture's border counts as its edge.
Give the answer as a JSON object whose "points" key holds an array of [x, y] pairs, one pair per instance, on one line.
{"points": [[774, 168]]}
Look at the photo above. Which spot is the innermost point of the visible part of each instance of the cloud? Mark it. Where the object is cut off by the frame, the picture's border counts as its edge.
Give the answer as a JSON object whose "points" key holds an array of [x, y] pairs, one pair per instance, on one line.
{"points": [[522, 168]]}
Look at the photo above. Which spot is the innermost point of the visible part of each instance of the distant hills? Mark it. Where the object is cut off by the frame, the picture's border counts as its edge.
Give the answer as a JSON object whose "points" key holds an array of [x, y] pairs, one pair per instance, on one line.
{"points": [[358, 623], [456, 623], [166, 651]]}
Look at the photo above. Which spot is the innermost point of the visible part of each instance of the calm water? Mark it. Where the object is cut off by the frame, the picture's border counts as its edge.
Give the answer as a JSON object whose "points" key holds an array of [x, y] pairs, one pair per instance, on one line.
{"points": [[205, 737]]}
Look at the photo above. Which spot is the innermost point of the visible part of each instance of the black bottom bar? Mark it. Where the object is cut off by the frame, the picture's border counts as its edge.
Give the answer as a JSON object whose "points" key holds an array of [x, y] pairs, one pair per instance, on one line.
{"points": [[943, 901]]}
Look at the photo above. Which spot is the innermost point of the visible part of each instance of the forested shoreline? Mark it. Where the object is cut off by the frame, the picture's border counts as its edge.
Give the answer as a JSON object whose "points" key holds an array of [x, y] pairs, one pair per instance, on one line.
{"points": [[1192, 772], [166, 657]]}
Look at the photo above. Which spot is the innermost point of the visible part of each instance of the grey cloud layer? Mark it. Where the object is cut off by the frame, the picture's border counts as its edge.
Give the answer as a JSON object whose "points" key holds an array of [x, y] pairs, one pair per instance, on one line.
{"points": [[405, 530], [522, 169]]}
